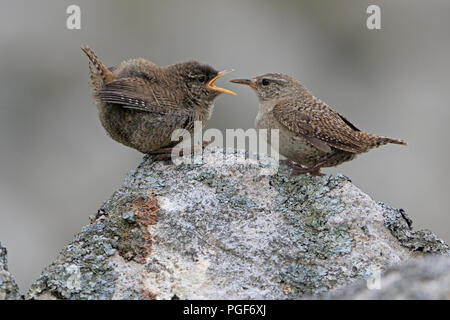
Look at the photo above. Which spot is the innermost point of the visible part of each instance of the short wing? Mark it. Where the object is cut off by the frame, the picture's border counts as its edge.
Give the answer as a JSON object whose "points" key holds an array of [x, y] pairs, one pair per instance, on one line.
{"points": [[137, 93], [320, 125]]}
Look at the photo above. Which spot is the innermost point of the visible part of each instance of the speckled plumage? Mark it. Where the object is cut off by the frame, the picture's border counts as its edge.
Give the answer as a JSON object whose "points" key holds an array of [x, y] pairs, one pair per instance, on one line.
{"points": [[311, 133], [140, 104]]}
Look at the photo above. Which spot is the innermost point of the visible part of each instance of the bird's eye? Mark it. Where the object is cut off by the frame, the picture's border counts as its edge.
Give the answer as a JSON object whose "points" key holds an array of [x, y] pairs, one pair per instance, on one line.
{"points": [[265, 82], [201, 79]]}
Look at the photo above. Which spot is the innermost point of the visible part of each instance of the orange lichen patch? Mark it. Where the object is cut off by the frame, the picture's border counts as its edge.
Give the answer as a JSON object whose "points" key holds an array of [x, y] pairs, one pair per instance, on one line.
{"points": [[148, 295], [146, 211], [136, 241]]}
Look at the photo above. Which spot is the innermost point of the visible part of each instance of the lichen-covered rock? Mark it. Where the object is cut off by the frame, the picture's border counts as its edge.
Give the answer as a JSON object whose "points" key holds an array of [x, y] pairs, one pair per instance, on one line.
{"points": [[231, 228], [427, 278], [8, 287]]}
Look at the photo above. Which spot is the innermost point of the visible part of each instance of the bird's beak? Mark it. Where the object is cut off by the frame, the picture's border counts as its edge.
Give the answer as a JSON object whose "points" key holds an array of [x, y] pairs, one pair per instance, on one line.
{"points": [[247, 82], [211, 85]]}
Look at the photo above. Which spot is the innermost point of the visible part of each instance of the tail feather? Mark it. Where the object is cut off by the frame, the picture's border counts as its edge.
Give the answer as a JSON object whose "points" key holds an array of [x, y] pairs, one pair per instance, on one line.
{"points": [[105, 74], [385, 140]]}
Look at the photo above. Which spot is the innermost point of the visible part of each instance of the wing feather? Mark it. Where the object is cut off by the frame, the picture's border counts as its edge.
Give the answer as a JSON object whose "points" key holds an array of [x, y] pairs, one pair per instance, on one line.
{"points": [[136, 93], [319, 125]]}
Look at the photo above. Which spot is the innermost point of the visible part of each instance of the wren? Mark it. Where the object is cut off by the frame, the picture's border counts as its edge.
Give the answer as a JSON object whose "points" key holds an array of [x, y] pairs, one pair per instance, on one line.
{"points": [[140, 104], [311, 133]]}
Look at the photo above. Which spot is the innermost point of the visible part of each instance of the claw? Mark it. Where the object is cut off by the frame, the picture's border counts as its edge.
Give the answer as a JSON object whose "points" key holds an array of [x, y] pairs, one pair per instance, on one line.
{"points": [[313, 171], [166, 153]]}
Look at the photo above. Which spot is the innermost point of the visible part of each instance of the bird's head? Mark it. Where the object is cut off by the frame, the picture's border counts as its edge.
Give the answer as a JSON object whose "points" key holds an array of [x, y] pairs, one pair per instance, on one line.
{"points": [[199, 81], [271, 86]]}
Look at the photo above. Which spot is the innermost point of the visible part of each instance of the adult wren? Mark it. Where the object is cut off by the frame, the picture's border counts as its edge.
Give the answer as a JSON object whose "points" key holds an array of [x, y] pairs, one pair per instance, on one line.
{"points": [[140, 104], [311, 133]]}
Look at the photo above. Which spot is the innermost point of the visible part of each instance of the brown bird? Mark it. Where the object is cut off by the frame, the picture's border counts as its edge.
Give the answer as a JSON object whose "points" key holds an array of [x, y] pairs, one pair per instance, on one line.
{"points": [[311, 133], [140, 104]]}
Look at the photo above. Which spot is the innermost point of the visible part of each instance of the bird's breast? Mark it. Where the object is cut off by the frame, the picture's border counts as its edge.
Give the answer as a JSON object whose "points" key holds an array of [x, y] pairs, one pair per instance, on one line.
{"points": [[291, 145], [265, 119], [210, 111]]}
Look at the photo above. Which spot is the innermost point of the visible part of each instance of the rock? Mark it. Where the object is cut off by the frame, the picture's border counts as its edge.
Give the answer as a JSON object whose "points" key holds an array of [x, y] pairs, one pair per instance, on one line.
{"points": [[427, 278], [8, 287], [231, 228]]}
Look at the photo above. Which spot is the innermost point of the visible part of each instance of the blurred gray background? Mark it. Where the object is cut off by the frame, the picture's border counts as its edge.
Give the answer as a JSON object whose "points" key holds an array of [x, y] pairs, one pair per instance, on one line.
{"points": [[57, 165]]}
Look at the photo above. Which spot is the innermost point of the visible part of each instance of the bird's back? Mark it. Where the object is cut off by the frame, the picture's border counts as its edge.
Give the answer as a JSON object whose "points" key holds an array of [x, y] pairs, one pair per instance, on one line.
{"points": [[310, 130]]}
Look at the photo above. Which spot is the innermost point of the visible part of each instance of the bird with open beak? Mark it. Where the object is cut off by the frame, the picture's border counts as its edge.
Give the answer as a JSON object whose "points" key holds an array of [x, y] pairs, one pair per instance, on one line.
{"points": [[140, 104]]}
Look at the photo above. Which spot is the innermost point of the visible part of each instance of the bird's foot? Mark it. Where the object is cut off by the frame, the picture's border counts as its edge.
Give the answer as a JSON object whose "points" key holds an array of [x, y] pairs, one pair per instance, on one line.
{"points": [[316, 173], [166, 153], [313, 171]]}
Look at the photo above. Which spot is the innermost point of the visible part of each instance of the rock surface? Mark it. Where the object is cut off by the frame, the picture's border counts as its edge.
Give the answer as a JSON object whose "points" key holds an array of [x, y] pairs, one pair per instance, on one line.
{"points": [[8, 287], [427, 278], [231, 228]]}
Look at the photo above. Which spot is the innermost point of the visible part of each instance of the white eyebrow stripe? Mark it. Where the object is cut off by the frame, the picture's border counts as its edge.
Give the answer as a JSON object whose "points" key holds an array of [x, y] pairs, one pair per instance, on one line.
{"points": [[277, 80]]}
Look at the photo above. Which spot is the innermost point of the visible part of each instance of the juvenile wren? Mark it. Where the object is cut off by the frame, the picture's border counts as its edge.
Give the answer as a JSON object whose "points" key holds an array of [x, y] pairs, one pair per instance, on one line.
{"points": [[140, 104], [311, 133]]}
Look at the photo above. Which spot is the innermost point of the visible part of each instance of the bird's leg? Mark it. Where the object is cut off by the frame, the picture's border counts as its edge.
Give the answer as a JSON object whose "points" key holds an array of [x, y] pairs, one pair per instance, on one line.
{"points": [[316, 173], [315, 169], [166, 153], [288, 162], [297, 168]]}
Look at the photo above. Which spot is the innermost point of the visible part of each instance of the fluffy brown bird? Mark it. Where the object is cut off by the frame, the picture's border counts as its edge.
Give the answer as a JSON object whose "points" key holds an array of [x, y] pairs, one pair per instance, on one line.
{"points": [[140, 104], [311, 133]]}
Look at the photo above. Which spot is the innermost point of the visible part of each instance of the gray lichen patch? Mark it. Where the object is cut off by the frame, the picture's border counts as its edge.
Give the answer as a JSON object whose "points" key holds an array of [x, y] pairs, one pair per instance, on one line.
{"points": [[8, 287], [85, 268], [228, 227], [306, 205], [82, 270]]}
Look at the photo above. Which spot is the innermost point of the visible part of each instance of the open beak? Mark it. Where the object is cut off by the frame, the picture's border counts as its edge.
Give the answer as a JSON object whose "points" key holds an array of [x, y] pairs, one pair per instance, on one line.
{"points": [[247, 82], [211, 85]]}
